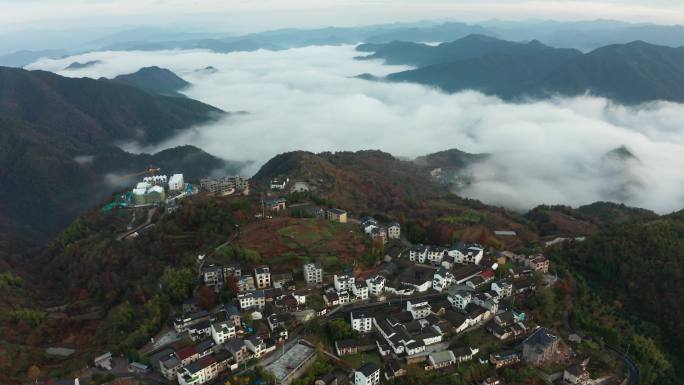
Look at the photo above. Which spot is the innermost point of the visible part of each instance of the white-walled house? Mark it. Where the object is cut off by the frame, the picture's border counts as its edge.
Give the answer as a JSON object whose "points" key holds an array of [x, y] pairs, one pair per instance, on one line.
{"points": [[223, 331], [394, 231], [418, 254], [460, 299], [419, 310], [313, 273], [361, 322], [503, 288], [176, 182], [467, 254], [343, 282], [442, 279], [252, 300], [376, 285], [360, 290], [368, 374]]}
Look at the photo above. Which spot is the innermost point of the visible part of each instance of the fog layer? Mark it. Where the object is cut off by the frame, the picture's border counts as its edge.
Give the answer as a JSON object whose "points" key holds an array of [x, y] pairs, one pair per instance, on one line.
{"points": [[551, 151]]}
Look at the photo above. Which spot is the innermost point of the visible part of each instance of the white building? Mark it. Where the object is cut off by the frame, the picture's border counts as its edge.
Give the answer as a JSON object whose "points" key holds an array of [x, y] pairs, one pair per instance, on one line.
{"points": [[376, 285], [419, 310], [279, 184], [502, 288], [343, 282], [222, 332], [360, 290], [176, 182], [394, 231], [418, 254], [368, 374], [467, 254], [361, 322], [460, 299], [254, 299], [313, 273], [262, 277], [435, 255], [442, 279]]}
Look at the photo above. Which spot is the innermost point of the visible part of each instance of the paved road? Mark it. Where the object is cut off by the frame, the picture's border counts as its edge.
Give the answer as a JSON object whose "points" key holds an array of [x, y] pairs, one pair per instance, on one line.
{"points": [[631, 365], [148, 221]]}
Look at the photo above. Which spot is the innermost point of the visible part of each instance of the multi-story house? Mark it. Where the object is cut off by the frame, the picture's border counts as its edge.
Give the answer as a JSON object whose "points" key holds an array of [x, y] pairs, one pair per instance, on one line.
{"points": [[245, 283], [254, 299], [313, 273], [460, 299], [258, 346], [343, 282], [467, 254], [540, 347], [361, 322], [238, 349], [394, 231], [336, 215], [222, 332], [376, 285], [503, 288], [418, 254], [538, 263], [419, 310], [442, 279], [360, 290], [367, 374], [435, 255], [262, 277], [182, 323]]}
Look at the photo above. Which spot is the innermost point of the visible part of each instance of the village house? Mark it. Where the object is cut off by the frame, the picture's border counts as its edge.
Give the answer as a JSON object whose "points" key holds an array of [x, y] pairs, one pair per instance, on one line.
{"points": [[283, 281], [354, 346], [367, 374], [238, 349], [394, 369], [343, 282], [465, 354], [376, 285], [254, 299], [442, 279], [503, 288], [279, 184], [313, 273], [418, 254], [182, 323], [540, 347], [418, 310], [576, 374], [223, 331], [262, 277], [466, 273], [361, 322], [538, 263], [276, 204], [336, 215], [503, 359], [460, 297], [245, 283], [394, 230], [467, 254], [438, 360], [199, 330], [169, 366]]}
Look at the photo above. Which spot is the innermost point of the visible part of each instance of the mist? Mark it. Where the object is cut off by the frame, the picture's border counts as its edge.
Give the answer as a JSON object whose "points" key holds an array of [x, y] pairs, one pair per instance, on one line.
{"points": [[554, 151]]}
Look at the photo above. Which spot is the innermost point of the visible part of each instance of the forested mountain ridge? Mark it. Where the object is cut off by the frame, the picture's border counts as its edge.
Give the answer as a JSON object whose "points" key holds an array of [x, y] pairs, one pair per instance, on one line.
{"points": [[56, 144], [630, 73], [155, 80]]}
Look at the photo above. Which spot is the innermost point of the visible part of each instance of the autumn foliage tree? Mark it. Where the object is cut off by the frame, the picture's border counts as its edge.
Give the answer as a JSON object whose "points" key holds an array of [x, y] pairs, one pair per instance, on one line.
{"points": [[206, 297]]}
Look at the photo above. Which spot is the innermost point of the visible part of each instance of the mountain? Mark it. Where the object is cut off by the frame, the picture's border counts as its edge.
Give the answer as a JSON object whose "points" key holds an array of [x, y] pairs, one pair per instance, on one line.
{"points": [[483, 64], [630, 73], [24, 57], [56, 145], [95, 111], [469, 47], [77, 65], [155, 80]]}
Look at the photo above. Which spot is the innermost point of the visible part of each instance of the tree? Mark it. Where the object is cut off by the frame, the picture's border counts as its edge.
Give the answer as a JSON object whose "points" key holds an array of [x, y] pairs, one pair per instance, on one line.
{"points": [[177, 283], [206, 297], [340, 330], [33, 373]]}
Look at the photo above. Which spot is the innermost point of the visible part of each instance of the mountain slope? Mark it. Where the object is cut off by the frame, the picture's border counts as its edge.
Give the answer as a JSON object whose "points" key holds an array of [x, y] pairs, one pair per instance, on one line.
{"points": [[469, 47], [56, 151], [631, 73], [95, 111], [154, 80]]}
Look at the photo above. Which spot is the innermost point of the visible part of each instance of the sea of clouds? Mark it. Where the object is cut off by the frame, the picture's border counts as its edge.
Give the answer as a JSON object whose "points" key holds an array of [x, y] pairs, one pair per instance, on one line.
{"points": [[554, 151]]}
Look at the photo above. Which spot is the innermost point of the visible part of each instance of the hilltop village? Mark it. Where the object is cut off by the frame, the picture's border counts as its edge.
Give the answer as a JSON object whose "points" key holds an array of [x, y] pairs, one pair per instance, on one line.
{"points": [[461, 313]]}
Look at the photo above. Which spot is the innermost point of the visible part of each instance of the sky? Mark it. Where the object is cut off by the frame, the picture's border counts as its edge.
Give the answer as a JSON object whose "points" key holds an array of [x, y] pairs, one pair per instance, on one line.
{"points": [[239, 16], [553, 151]]}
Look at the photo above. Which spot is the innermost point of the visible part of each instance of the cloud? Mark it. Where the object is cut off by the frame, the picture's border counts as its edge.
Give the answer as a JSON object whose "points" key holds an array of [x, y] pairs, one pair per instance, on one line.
{"points": [[551, 151]]}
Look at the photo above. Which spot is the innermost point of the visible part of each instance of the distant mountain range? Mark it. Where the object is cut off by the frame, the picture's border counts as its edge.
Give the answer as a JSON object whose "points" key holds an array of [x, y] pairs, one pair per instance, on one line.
{"points": [[630, 73], [57, 156], [155, 80]]}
